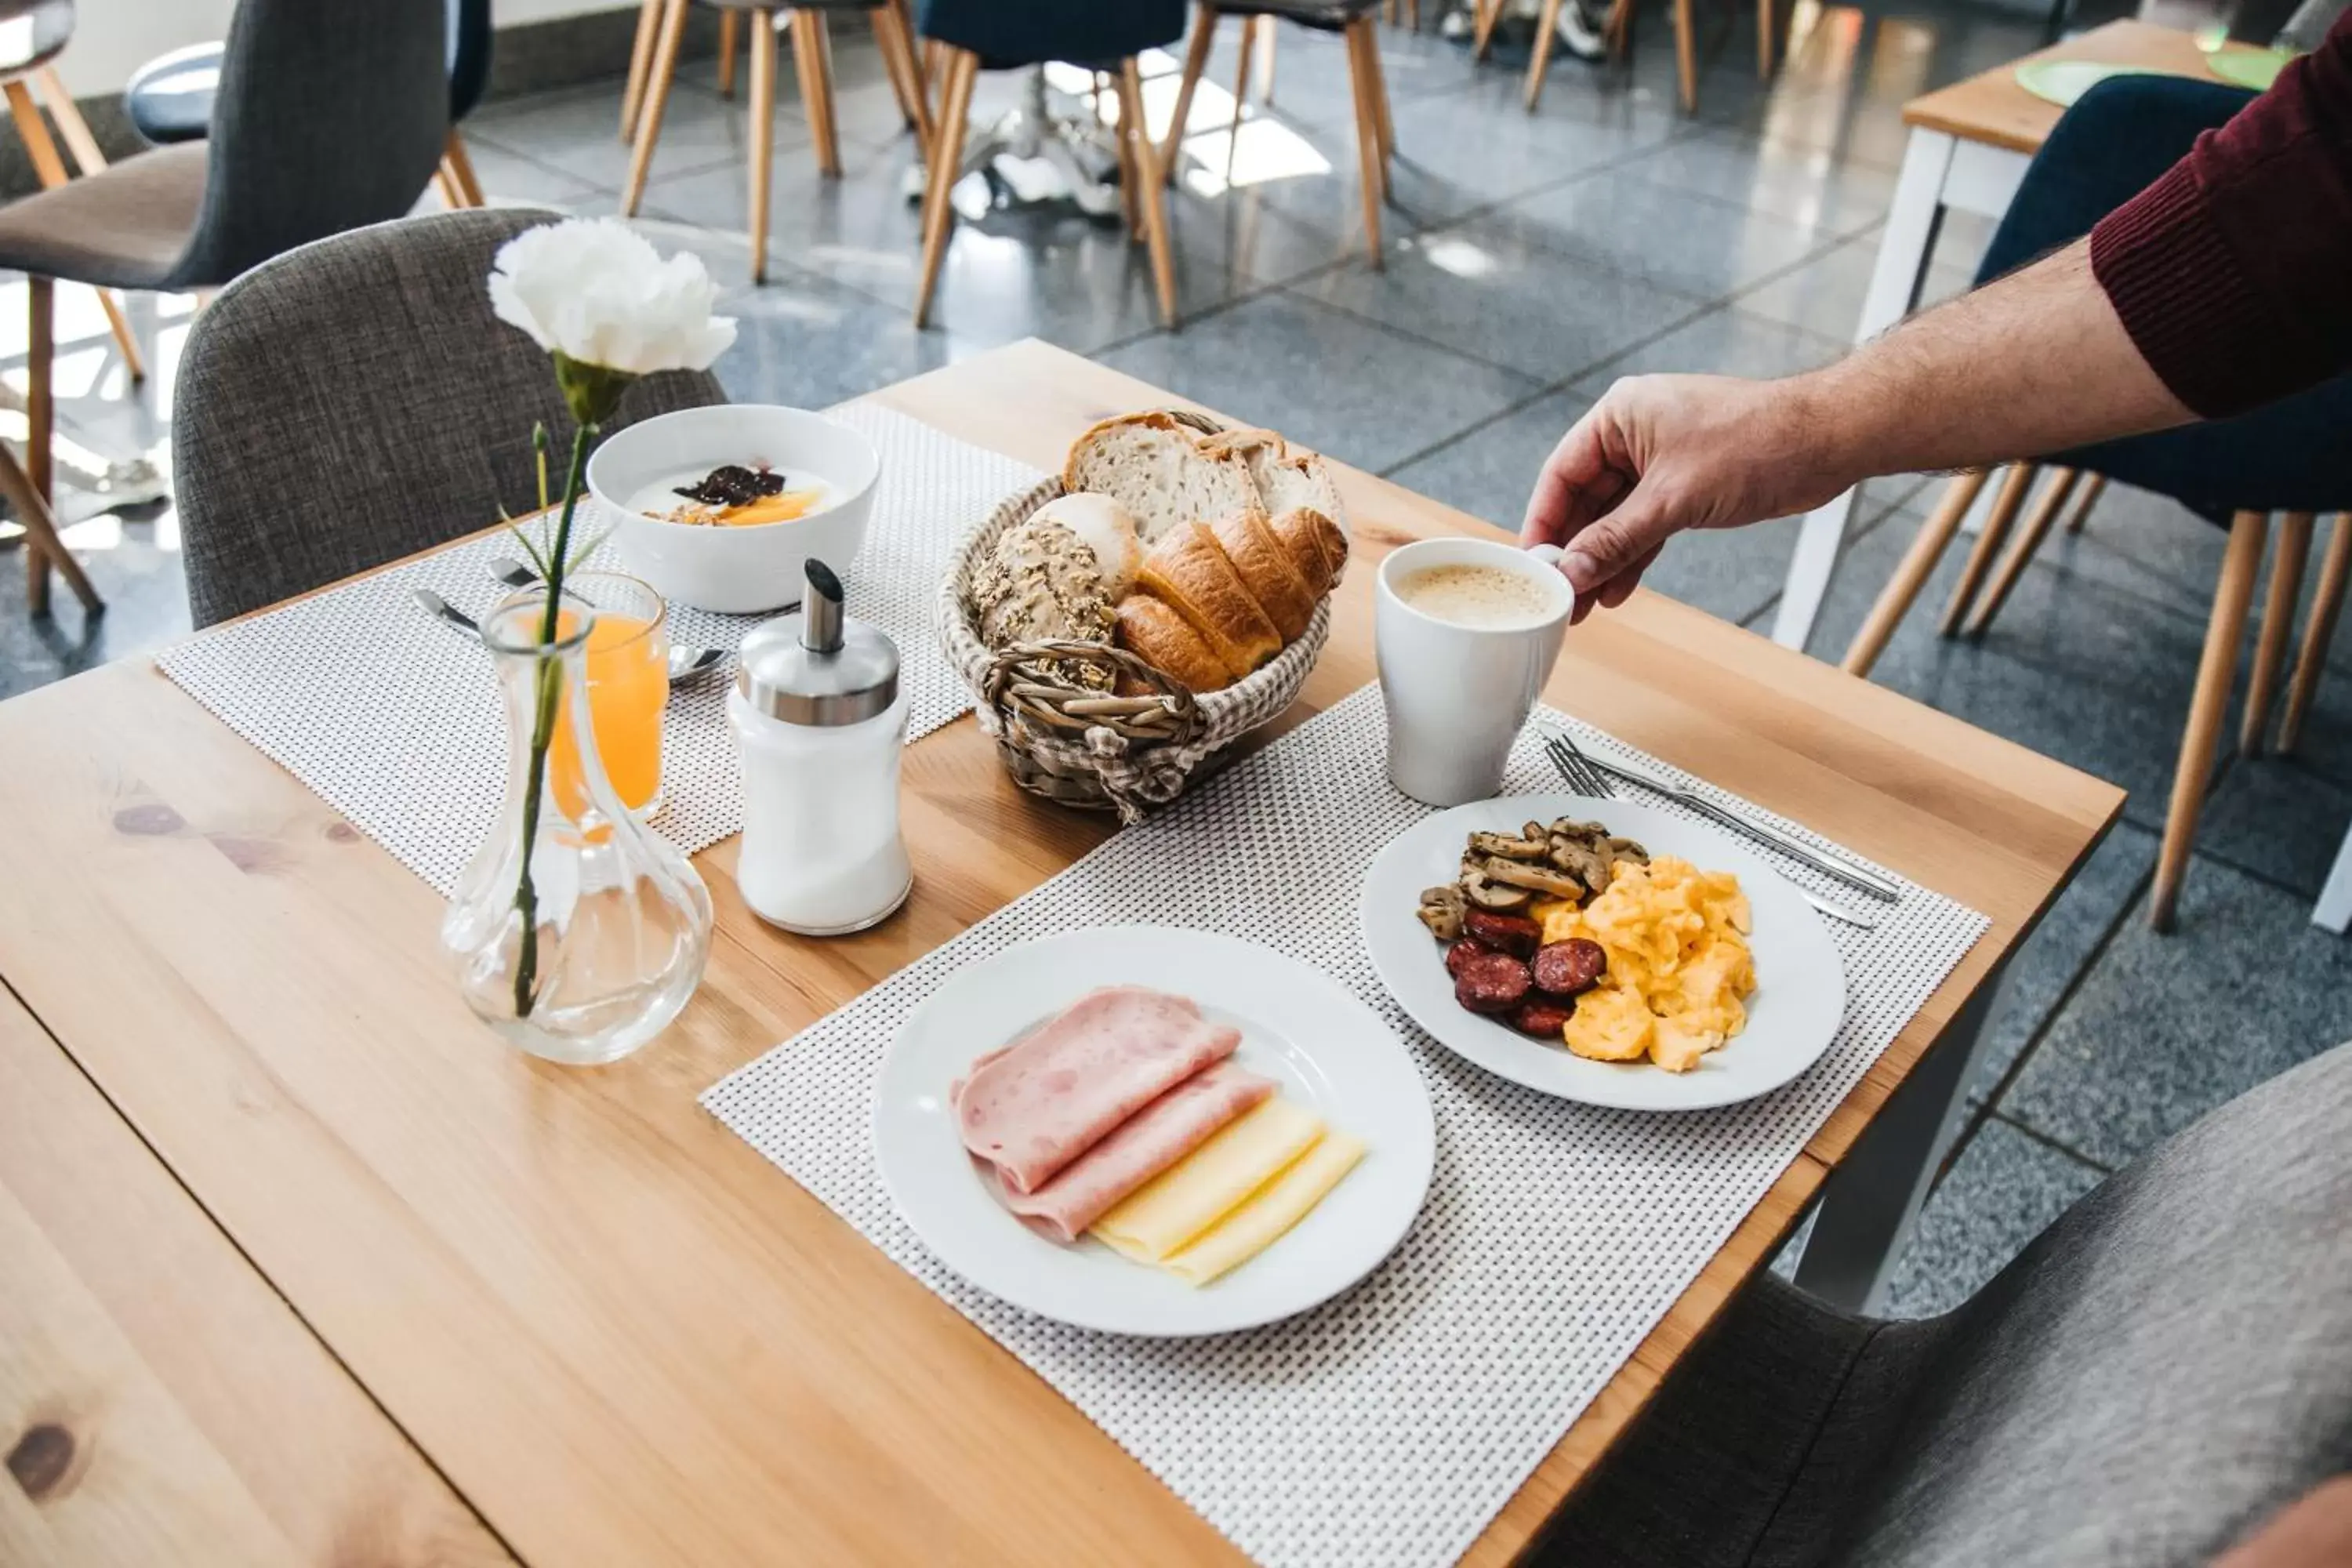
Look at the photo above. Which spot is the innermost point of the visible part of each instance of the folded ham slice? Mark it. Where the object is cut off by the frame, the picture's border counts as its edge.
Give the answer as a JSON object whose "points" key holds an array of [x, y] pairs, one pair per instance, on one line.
{"points": [[1032, 1108], [1139, 1148]]}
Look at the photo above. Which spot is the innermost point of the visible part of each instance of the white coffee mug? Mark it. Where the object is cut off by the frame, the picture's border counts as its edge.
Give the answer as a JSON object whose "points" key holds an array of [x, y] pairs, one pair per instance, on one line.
{"points": [[1458, 695]]}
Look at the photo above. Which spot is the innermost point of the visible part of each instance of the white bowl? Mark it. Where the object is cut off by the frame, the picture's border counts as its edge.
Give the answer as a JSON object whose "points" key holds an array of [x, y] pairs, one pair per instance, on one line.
{"points": [[735, 571]]}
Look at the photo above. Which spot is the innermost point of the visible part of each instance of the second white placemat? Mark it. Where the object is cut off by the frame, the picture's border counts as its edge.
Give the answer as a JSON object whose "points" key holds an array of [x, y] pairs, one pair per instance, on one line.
{"points": [[393, 718], [1390, 1425]]}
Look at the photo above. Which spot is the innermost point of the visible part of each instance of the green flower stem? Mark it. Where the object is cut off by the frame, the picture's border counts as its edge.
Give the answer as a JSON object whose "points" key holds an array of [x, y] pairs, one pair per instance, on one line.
{"points": [[549, 688]]}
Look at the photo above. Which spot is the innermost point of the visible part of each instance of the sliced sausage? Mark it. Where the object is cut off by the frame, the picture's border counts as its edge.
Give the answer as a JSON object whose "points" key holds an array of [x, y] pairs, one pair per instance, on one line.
{"points": [[1568, 968], [1514, 935], [1493, 983], [1462, 953], [1543, 1016]]}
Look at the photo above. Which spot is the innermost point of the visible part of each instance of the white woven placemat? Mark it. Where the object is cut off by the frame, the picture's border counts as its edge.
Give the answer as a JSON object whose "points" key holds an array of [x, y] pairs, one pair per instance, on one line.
{"points": [[393, 718], [1388, 1427]]}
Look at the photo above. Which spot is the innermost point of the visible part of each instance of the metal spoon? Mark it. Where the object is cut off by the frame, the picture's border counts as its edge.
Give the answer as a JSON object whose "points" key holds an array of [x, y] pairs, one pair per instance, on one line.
{"points": [[685, 663]]}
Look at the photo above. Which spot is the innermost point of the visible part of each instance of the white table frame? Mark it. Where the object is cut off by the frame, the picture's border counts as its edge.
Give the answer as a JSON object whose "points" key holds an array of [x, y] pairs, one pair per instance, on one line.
{"points": [[1941, 172]]}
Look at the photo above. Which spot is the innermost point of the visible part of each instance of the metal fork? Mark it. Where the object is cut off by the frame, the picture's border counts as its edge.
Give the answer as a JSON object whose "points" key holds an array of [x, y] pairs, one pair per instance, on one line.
{"points": [[1580, 776]]}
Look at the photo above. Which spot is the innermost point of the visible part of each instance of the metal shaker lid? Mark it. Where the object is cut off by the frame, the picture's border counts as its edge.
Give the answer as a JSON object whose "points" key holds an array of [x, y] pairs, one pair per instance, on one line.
{"points": [[817, 666]]}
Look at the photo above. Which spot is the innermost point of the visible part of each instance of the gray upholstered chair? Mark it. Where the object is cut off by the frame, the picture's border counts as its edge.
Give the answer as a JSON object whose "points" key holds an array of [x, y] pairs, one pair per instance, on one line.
{"points": [[356, 401], [329, 117], [2165, 1366]]}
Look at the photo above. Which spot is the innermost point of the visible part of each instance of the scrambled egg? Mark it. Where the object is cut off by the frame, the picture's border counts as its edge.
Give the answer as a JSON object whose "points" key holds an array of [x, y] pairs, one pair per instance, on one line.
{"points": [[1679, 968]]}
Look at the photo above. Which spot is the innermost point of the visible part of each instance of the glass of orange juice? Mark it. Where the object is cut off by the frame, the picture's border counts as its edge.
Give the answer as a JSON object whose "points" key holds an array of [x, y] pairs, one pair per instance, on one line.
{"points": [[627, 665]]}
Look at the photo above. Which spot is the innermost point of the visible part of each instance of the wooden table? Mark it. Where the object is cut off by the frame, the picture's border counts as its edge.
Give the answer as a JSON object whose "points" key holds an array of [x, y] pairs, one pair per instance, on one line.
{"points": [[1968, 147], [291, 1246]]}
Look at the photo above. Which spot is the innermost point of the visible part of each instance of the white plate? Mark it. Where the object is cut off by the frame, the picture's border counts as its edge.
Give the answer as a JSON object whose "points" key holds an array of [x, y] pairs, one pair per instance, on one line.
{"points": [[1791, 1018], [1327, 1049]]}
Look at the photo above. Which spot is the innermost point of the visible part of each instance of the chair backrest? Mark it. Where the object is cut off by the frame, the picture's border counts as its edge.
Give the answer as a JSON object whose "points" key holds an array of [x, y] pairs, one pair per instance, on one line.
{"points": [[2290, 455], [327, 117], [2163, 1368], [354, 401], [1086, 32], [469, 55]]}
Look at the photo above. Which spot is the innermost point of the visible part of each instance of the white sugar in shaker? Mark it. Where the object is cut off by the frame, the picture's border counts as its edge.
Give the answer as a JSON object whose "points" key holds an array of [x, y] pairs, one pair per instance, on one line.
{"points": [[821, 722]]}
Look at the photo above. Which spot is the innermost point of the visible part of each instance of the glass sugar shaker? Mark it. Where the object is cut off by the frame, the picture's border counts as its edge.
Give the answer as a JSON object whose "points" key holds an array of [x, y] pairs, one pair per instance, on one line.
{"points": [[820, 722]]}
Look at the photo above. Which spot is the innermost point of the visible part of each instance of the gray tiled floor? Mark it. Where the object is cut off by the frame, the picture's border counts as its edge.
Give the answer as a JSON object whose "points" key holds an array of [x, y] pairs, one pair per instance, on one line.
{"points": [[1531, 259]]}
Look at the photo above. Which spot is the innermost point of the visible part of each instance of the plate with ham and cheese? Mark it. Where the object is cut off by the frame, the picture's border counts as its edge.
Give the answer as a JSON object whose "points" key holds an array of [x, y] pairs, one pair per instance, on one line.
{"points": [[1151, 1131]]}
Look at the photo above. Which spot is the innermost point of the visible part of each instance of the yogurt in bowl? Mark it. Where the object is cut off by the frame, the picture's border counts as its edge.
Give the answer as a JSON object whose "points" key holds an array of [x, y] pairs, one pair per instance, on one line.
{"points": [[796, 485]]}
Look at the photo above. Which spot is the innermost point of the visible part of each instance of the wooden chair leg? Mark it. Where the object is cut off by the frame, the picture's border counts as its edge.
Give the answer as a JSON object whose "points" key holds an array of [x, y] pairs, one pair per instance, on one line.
{"points": [[1764, 40], [1196, 60], [1546, 22], [1918, 564], [1137, 133], [1482, 40], [659, 73], [41, 541], [1382, 119], [1129, 171], [2278, 621], [2091, 493], [731, 27], [1241, 91], [935, 66], [446, 187], [2318, 632], [2240, 563], [460, 164], [812, 55], [1267, 33], [2038, 524], [50, 170], [41, 425], [958, 66], [1413, 14], [641, 62], [1361, 42], [1619, 30], [2005, 505], [898, 46], [1687, 56], [763, 134]]}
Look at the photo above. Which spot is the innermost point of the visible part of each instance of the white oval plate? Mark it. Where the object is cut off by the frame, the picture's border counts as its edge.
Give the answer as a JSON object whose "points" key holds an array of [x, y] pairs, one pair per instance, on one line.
{"points": [[1327, 1049], [1791, 1018]]}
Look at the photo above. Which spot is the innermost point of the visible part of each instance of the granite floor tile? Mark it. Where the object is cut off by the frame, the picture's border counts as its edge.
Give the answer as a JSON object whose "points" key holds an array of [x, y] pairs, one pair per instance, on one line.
{"points": [[136, 568], [1824, 294], [1691, 244], [1329, 380], [2167, 1026], [1804, 186], [1311, 81], [1485, 291], [2006, 1188], [810, 344], [2069, 937], [513, 179], [1726, 341], [577, 131], [2278, 818]]}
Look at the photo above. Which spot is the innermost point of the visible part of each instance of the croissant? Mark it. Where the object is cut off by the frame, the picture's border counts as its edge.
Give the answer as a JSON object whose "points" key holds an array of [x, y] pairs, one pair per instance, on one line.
{"points": [[1268, 570], [1158, 636], [1190, 572]]}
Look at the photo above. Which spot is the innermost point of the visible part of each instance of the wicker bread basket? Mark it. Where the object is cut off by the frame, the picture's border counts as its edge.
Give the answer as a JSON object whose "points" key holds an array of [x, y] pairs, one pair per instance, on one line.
{"points": [[1091, 749]]}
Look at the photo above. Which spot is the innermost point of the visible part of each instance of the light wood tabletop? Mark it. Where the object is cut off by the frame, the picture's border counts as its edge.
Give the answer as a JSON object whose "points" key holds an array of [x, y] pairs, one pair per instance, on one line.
{"points": [[1990, 107], [615, 1332]]}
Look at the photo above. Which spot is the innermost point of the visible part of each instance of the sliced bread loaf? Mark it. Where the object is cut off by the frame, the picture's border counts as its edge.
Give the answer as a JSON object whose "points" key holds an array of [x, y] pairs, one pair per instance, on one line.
{"points": [[1159, 471]]}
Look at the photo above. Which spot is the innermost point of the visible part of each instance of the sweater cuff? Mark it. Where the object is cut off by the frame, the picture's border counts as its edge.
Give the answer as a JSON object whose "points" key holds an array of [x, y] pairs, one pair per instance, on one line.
{"points": [[2191, 309]]}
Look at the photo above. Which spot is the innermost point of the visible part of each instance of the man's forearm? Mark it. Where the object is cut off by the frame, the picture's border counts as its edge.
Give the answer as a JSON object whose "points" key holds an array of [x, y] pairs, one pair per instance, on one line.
{"points": [[2037, 362]]}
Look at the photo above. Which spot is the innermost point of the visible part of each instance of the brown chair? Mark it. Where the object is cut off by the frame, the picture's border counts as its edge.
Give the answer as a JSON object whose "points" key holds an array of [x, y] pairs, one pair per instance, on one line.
{"points": [[1352, 20], [1620, 31], [661, 29], [328, 117]]}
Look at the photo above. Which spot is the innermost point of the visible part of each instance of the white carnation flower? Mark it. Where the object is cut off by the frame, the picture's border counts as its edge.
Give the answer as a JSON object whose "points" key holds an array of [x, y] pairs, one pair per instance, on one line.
{"points": [[594, 291]]}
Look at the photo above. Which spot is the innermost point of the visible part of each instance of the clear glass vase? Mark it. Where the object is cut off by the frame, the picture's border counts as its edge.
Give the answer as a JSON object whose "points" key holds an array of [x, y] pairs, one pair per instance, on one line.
{"points": [[577, 932]]}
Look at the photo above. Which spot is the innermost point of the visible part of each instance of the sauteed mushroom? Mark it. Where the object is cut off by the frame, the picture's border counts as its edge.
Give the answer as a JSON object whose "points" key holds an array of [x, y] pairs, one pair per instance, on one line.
{"points": [[1441, 912]]}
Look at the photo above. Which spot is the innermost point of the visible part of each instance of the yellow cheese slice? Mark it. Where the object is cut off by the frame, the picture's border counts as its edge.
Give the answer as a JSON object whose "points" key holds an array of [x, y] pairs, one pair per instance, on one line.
{"points": [[1210, 1182], [1274, 1209]]}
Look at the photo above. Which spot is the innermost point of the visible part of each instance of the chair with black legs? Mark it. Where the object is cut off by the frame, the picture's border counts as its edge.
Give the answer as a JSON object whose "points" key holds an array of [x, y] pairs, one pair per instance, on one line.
{"points": [[328, 117], [2290, 457]]}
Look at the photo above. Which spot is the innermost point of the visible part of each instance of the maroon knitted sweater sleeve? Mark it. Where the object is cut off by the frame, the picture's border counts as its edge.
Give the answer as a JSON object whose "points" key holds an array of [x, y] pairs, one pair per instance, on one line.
{"points": [[2233, 272]]}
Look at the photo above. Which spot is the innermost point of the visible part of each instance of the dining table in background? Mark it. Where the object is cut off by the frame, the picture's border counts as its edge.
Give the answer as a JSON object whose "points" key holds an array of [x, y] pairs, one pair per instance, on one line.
{"points": [[294, 1254], [1966, 151]]}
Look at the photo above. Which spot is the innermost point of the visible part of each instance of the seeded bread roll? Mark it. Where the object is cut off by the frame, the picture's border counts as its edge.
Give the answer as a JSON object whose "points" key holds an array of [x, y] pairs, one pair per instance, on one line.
{"points": [[1103, 527], [1191, 573], [1268, 570], [1148, 629], [1042, 581], [1159, 471]]}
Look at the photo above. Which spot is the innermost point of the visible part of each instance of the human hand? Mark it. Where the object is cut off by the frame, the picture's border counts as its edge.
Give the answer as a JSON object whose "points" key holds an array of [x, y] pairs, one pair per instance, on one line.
{"points": [[1659, 453]]}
